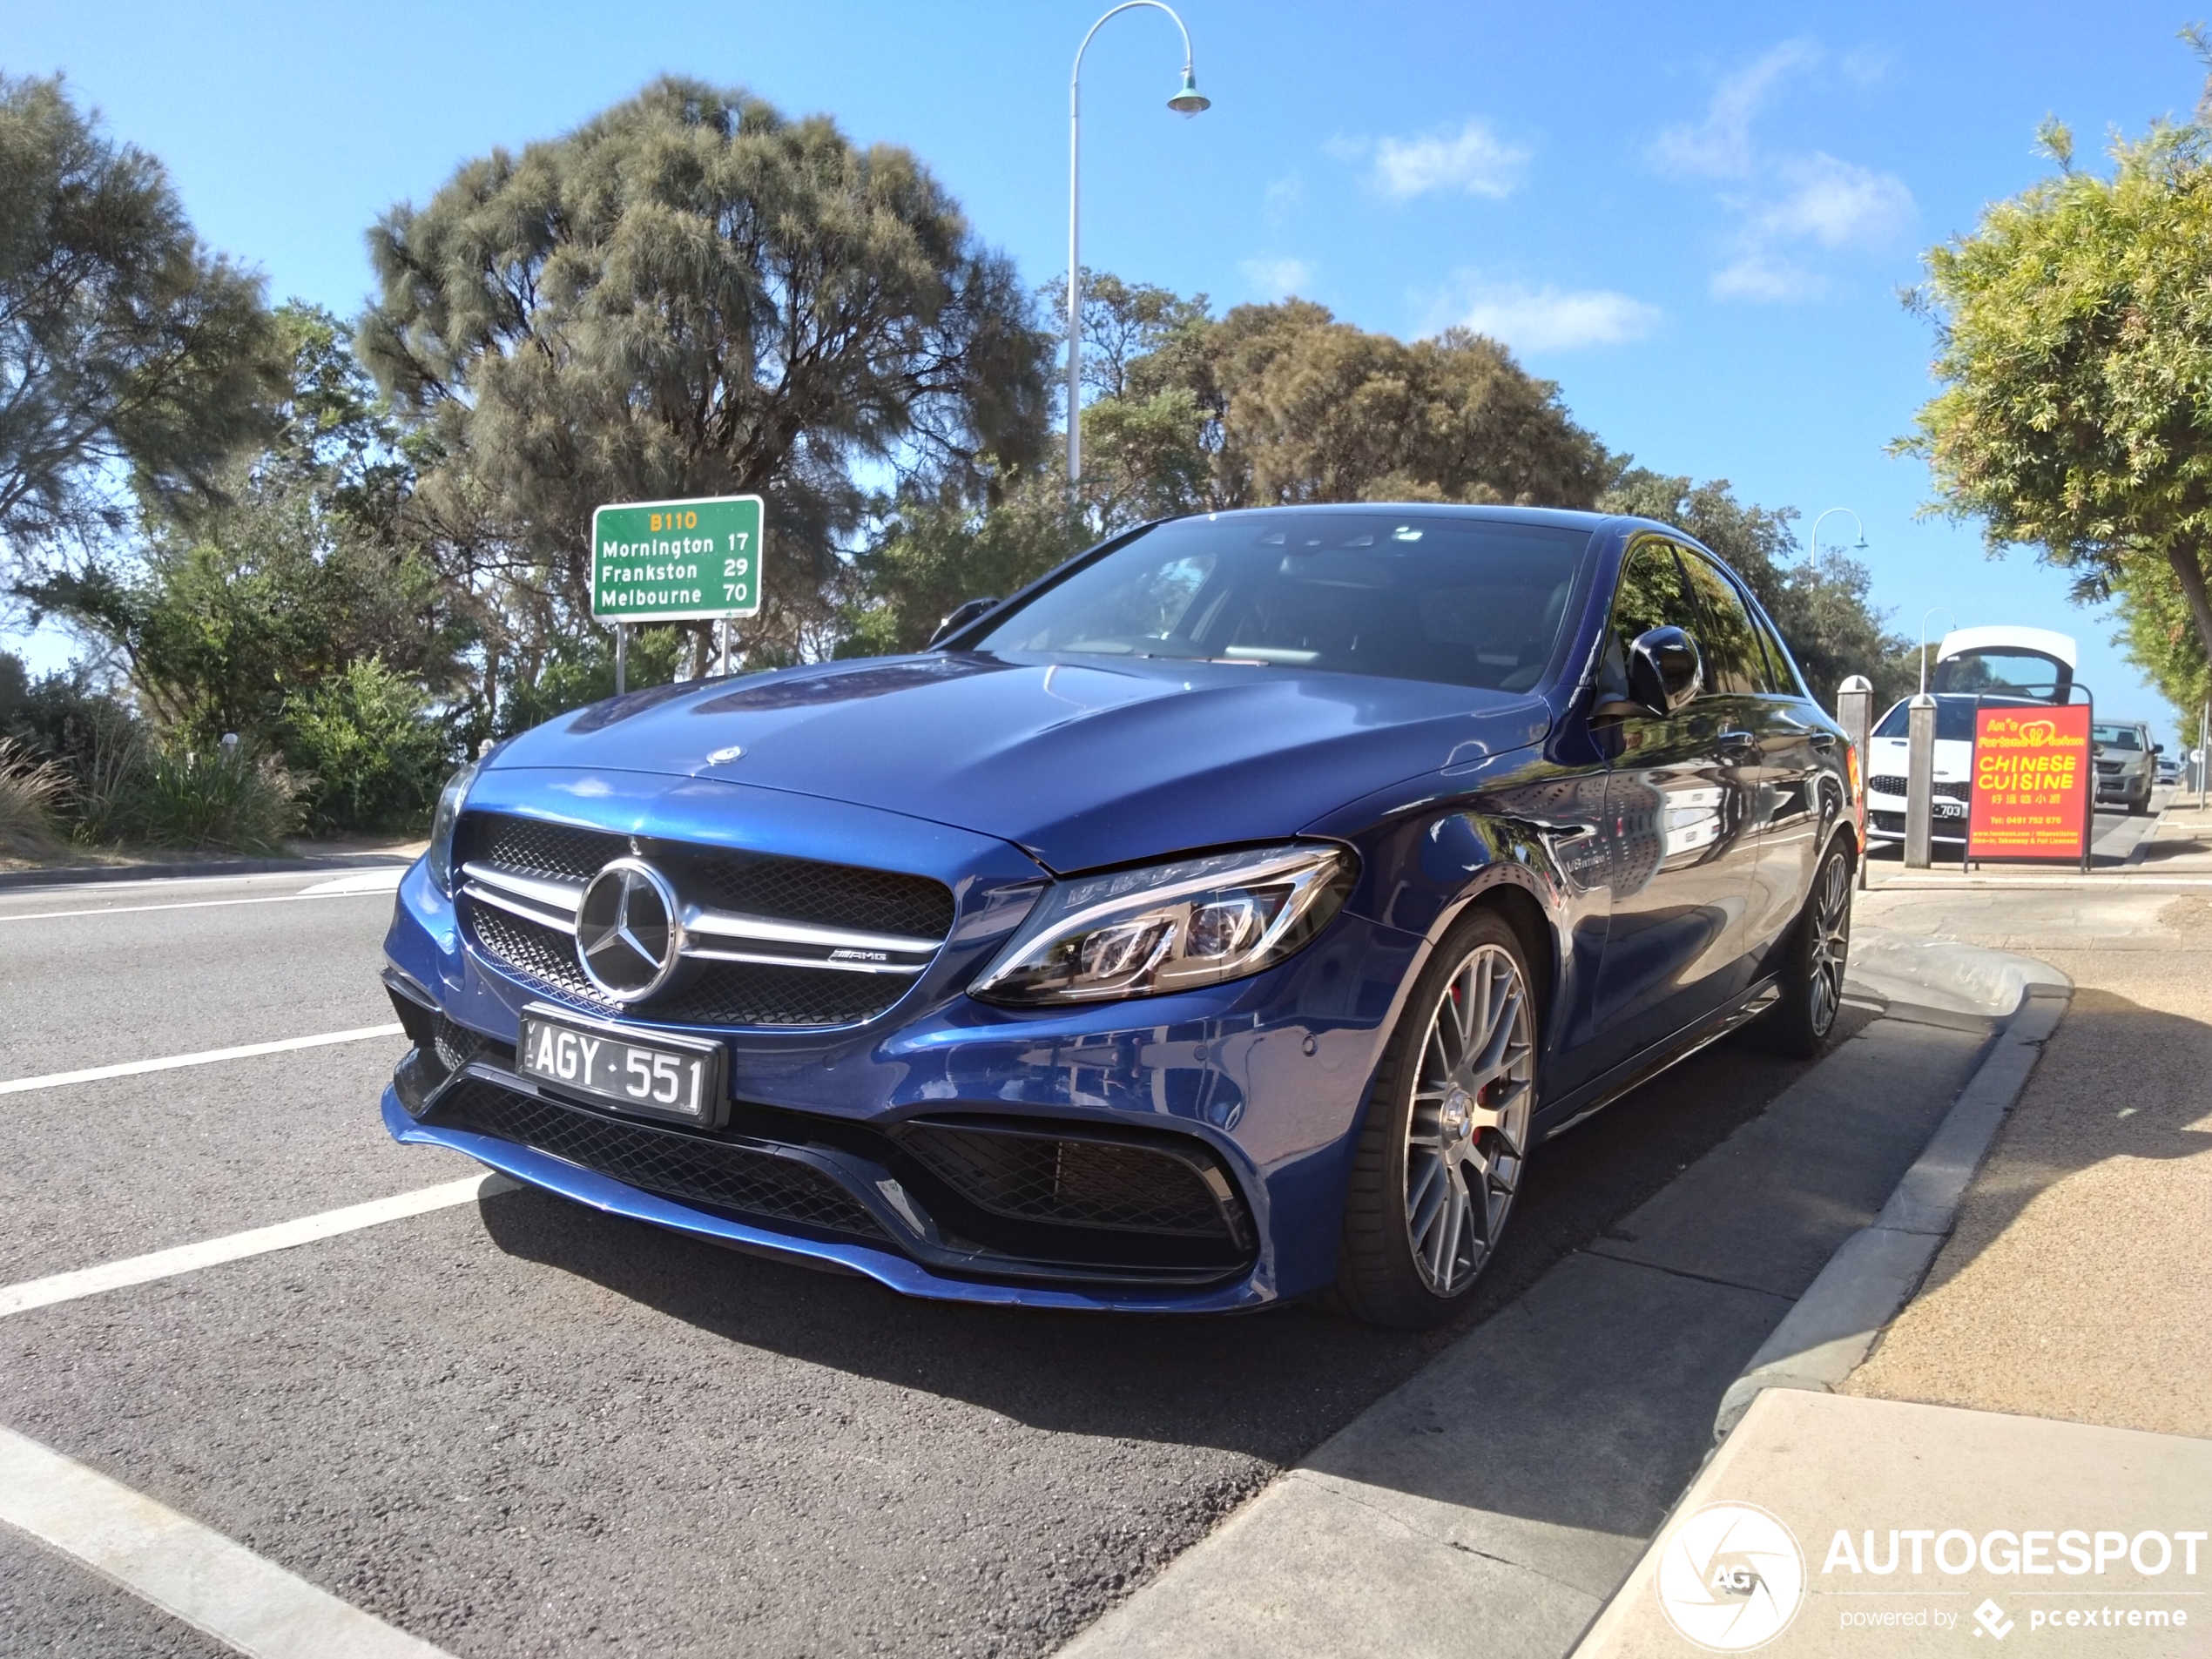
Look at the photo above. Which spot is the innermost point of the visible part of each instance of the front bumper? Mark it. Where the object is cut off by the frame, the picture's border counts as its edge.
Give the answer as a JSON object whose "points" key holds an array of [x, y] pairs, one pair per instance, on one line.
{"points": [[886, 1266], [1885, 822], [1256, 1084]]}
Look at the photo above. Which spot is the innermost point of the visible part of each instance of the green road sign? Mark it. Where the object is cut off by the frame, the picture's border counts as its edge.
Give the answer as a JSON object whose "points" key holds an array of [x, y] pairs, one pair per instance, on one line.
{"points": [[677, 561]]}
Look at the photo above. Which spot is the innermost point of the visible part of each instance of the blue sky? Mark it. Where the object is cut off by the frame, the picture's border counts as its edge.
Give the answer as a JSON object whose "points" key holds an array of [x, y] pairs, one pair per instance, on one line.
{"points": [[1695, 218]]}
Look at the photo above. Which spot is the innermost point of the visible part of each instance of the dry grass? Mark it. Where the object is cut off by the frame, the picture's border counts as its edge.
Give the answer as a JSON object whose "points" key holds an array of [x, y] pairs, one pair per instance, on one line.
{"points": [[31, 790]]}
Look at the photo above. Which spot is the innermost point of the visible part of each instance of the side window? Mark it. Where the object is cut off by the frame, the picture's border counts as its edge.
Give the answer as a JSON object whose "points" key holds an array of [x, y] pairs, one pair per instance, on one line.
{"points": [[1734, 662], [1782, 670], [1652, 594]]}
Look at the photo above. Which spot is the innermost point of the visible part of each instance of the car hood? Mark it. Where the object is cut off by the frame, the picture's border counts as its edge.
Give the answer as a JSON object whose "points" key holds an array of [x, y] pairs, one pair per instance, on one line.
{"points": [[1083, 763]]}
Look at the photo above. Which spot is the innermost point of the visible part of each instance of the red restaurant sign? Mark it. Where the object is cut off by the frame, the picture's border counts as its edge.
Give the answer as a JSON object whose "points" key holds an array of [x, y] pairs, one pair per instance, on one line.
{"points": [[2033, 781]]}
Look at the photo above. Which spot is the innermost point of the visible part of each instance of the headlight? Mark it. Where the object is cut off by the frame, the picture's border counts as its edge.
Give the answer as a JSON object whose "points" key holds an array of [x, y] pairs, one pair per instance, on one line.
{"points": [[441, 823], [1145, 933]]}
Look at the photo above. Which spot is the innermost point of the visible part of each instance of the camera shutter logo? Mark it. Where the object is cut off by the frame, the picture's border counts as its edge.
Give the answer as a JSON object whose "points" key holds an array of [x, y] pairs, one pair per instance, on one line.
{"points": [[1732, 1577]]}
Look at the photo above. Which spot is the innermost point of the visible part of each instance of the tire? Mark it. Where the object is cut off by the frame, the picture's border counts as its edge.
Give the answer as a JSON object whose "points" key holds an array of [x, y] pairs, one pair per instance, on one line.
{"points": [[1440, 1153], [1813, 960]]}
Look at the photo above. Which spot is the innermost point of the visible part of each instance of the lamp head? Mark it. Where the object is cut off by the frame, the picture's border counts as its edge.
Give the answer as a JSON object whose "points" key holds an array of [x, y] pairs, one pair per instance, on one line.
{"points": [[1189, 100]]}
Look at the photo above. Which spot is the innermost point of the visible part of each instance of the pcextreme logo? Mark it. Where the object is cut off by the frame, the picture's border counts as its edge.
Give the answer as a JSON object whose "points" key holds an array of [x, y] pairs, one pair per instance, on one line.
{"points": [[1732, 1577]]}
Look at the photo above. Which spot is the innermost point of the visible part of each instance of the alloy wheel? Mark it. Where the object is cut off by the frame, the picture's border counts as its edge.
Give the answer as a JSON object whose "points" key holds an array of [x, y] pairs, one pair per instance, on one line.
{"points": [[1469, 1127], [1830, 922]]}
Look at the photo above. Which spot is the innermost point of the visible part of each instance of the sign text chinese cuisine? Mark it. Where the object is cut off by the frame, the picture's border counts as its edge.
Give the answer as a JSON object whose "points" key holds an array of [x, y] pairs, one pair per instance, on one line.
{"points": [[2033, 781]]}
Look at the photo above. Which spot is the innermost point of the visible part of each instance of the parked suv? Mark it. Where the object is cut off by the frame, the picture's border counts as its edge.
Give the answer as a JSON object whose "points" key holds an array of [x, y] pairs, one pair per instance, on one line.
{"points": [[2126, 760], [1229, 915]]}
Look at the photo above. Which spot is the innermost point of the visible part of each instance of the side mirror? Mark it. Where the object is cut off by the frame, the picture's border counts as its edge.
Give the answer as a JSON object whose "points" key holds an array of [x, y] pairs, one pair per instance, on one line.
{"points": [[1664, 670], [959, 616], [2158, 748]]}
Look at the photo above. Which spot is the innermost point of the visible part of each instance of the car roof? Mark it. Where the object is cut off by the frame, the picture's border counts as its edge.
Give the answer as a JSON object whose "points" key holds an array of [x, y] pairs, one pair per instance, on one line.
{"points": [[1558, 518]]}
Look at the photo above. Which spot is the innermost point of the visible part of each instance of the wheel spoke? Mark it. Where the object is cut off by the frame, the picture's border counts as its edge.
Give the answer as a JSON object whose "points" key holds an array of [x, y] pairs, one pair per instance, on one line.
{"points": [[1447, 1257]]}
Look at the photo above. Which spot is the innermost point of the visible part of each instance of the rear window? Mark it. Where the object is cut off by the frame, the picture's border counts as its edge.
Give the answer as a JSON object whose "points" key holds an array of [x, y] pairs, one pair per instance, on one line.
{"points": [[2010, 669], [1466, 602]]}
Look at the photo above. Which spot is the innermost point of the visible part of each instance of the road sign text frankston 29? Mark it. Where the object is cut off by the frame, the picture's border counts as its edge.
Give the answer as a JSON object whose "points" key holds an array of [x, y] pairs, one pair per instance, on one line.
{"points": [[677, 561]]}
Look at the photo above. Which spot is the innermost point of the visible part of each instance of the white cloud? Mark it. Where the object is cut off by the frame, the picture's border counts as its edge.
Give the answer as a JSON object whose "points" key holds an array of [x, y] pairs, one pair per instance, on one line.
{"points": [[1473, 160], [1760, 276], [1839, 204], [1278, 277], [1830, 204], [1789, 206], [1284, 197], [1550, 318], [1720, 147]]}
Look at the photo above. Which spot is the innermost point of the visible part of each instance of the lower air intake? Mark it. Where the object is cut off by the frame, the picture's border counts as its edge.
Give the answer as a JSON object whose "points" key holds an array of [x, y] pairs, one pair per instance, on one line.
{"points": [[1080, 1181], [718, 1174]]}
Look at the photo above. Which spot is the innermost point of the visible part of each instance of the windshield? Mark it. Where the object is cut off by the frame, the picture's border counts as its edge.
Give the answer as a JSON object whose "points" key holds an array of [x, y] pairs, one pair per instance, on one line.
{"points": [[1466, 602], [2118, 737], [1954, 720]]}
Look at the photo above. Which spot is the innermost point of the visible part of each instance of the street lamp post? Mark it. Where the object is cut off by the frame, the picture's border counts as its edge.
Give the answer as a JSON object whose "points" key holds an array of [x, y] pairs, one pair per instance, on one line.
{"points": [[1189, 101], [1812, 558]]}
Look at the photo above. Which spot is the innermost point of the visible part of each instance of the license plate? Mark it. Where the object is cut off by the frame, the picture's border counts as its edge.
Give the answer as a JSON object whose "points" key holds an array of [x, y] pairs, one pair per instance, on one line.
{"points": [[1950, 809], [660, 1076]]}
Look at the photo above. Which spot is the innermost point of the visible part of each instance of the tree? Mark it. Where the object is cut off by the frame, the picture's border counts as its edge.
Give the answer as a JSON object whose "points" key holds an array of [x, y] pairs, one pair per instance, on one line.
{"points": [[1823, 613], [2074, 331], [1284, 403], [2160, 637], [125, 347], [691, 295], [225, 614], [931, 556]]}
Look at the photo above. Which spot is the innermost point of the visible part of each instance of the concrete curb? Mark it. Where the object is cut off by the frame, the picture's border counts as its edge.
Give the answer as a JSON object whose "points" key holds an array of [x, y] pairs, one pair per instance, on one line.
{"points": [[81, 874], [1833, 1326]]}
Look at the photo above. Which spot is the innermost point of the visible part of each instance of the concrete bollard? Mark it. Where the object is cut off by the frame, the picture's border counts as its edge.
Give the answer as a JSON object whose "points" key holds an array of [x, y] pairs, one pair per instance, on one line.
{"points": [[1855, 713], [1920, 781]]}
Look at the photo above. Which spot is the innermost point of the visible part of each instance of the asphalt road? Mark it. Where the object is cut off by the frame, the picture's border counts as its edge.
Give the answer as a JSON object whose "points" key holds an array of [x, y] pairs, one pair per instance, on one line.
{"points": [[519, 1426]]}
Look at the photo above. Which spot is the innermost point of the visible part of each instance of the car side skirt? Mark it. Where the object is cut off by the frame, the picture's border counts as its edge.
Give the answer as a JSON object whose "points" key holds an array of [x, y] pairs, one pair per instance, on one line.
{"points": [[1632, 1073]]}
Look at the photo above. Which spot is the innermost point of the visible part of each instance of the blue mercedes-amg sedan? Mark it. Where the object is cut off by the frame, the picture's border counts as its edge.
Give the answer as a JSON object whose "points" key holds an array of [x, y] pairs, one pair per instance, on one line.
{"points": [[1227, 916]]}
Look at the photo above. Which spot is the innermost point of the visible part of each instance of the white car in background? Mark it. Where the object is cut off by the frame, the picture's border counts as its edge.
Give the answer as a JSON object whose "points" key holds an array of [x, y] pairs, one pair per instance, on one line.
{"points": [[1973, 664]]}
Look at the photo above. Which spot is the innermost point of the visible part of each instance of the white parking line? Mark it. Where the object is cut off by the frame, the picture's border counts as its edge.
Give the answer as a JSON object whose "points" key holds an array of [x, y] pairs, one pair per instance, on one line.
{"points": [[326, 890], [258, 1241], [188, 1570], [245, 1051]]}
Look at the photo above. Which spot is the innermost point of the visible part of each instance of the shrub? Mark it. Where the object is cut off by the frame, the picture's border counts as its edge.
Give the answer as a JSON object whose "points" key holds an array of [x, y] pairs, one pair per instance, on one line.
{"points": [[374, 755], [31, 790], [580, 669], [230, 796]]}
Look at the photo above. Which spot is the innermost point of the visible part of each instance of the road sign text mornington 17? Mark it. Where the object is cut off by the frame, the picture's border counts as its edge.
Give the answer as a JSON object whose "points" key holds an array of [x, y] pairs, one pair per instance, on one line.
{"points": [[2033, 782], [677, 561]]}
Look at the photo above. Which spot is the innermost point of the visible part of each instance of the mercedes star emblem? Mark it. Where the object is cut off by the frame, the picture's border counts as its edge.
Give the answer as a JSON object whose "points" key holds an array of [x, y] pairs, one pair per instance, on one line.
{"points": [[628, 937]]}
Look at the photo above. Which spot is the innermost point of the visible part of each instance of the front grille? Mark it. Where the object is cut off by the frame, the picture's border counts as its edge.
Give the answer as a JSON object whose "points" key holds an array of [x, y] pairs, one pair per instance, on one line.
{"points": [[718, 1174], [709, 994], [757, 884], [830, 895], [1072, 1182], [552, 850], [1890, 784], [2110, 768], [1888, 823]]}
